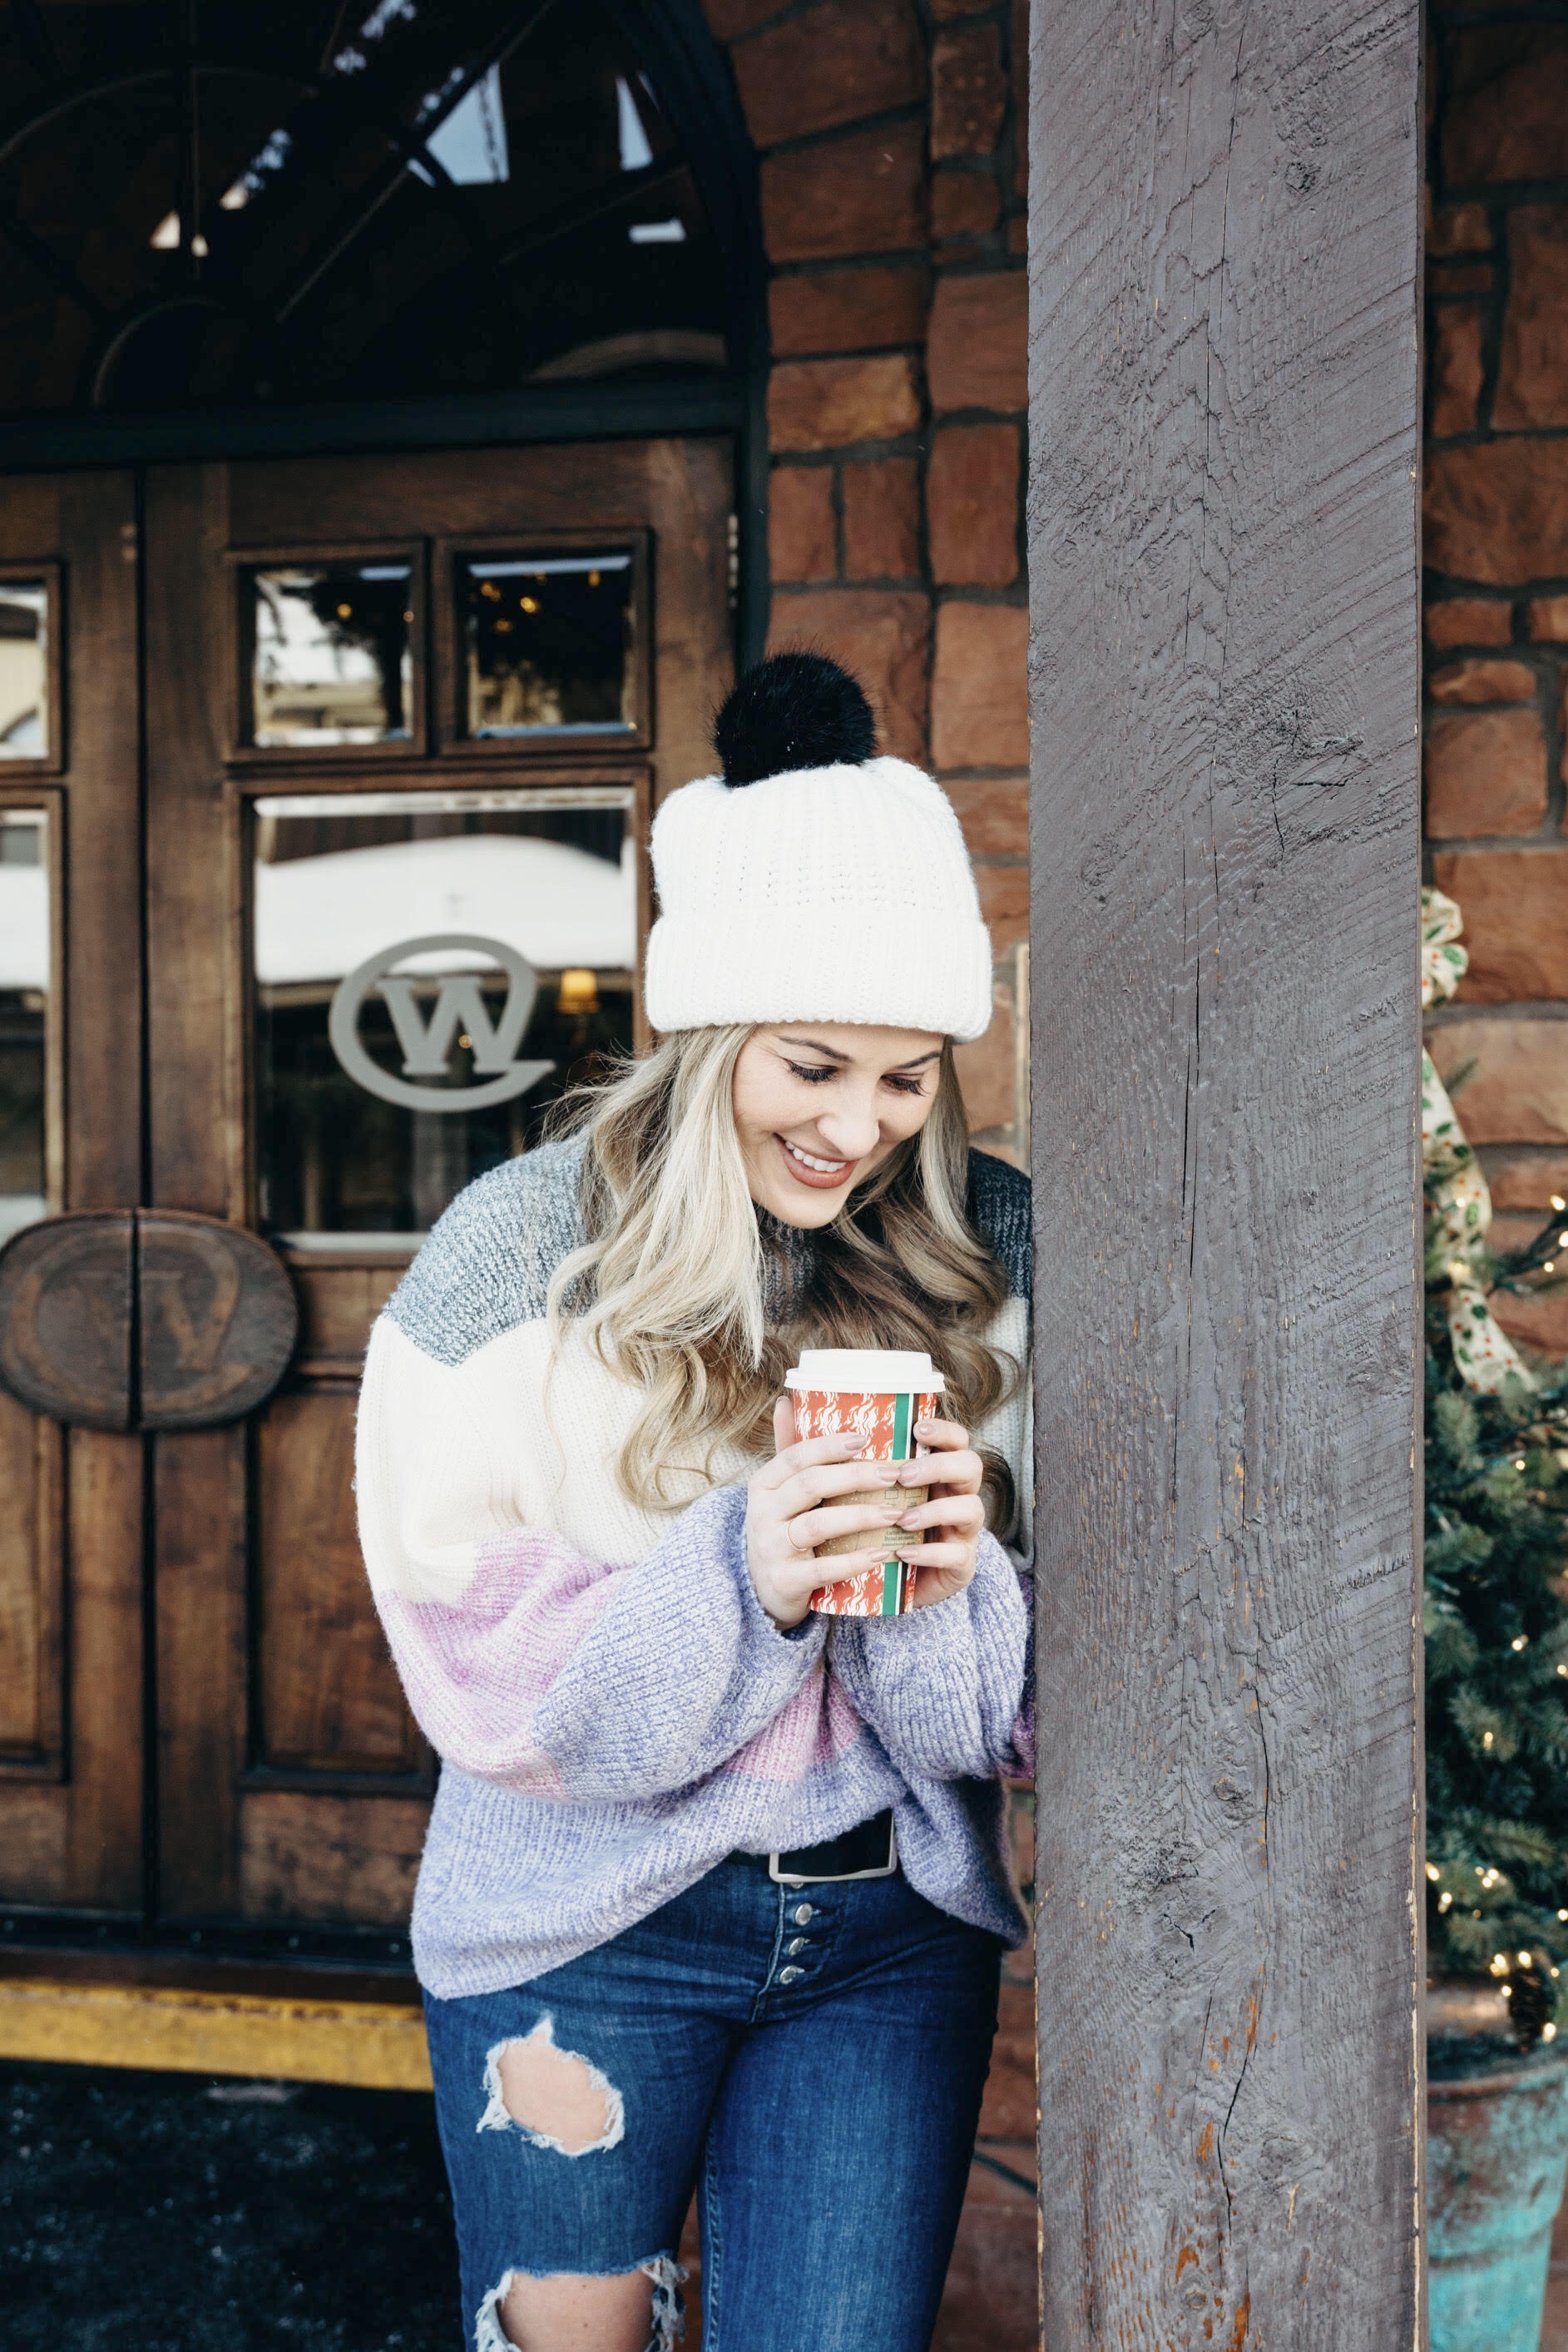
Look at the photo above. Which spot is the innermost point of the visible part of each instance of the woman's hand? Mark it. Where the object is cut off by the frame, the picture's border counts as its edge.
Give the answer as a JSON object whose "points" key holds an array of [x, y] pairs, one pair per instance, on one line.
{"points": [[953, 1518], [786, 1519], [792, 1506]]}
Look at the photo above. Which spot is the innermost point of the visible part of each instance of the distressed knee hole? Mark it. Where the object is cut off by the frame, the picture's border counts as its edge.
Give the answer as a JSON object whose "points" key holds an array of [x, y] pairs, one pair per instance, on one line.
{"points": [[522, 2301], [557, 2098]]}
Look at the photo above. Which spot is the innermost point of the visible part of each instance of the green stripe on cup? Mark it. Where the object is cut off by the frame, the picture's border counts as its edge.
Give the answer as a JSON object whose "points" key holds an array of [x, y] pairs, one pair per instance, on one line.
{"points": [[895, 1571]]}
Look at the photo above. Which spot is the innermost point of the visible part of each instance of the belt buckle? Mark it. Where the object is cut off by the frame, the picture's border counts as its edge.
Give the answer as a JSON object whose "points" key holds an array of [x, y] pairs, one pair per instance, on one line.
{"points": [[837, 1878]]}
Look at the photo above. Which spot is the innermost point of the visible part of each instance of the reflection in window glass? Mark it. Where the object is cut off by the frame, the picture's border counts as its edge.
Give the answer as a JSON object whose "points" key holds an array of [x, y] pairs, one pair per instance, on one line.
{"points": [[23, 669], [332, 659], [23, 1008], [369, 1125], [548, 642]]}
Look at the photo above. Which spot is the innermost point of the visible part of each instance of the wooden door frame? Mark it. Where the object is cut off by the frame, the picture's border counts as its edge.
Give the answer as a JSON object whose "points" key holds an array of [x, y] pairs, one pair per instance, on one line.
{"points": [[1225, 250]]}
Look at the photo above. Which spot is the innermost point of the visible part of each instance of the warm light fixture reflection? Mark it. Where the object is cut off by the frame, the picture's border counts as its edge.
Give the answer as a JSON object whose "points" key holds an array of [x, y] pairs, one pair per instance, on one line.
{"points": [[578, 992]]}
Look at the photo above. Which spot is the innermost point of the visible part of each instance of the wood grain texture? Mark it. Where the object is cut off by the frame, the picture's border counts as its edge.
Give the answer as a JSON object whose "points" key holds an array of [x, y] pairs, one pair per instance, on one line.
{"points": [[329, 1695], [1223, 558], [199, 1480], [351, 1860]]}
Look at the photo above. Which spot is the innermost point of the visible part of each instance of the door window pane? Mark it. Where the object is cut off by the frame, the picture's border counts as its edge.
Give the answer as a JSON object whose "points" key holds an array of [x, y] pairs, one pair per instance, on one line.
{"points": [[24, 1012], [433, 970], [548, 642], [331, 653], [24, 670]]}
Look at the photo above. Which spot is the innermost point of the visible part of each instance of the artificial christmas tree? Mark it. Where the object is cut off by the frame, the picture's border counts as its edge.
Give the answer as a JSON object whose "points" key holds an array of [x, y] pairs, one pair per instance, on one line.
{"points": [[1497, 1744]]}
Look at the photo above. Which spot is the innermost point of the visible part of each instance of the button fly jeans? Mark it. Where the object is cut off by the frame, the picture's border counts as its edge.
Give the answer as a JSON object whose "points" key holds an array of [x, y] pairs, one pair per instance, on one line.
{"points": [[809, 2059]]}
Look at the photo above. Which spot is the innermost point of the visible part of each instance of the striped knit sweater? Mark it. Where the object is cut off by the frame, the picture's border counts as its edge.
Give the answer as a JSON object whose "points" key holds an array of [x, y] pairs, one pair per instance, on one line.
{"points": [[614, 1709]]}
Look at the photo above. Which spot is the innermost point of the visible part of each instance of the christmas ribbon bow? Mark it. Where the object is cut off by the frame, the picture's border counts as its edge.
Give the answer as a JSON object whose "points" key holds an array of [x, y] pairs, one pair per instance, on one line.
{"points": [[1458, 1206]]}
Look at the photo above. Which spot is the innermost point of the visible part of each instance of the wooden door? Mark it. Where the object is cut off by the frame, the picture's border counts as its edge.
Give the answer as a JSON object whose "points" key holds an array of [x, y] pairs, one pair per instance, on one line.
{"points": [[427, 697], [71, 1499]]}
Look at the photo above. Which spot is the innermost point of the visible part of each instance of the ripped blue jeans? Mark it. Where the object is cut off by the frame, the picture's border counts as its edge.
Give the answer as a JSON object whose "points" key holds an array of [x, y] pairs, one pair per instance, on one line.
{"points": [[810, 2060]]}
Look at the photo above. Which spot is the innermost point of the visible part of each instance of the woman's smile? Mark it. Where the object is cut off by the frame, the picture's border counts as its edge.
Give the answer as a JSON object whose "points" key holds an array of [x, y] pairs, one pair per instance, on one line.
{"points": [[812, 1168]]}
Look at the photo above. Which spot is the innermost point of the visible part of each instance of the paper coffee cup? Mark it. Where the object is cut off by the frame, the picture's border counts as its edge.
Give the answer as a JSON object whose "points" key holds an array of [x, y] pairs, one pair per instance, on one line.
{"points": [[878, 1393]]}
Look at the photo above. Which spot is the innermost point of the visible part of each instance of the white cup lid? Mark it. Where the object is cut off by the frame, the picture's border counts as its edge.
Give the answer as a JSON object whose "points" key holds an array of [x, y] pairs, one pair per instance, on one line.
{"points": [[864, 1372]]}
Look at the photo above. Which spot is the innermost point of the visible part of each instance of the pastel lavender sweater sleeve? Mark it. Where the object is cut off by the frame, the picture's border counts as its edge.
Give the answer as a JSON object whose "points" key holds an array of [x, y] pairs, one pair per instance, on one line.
{"points": [[949, 1689]]}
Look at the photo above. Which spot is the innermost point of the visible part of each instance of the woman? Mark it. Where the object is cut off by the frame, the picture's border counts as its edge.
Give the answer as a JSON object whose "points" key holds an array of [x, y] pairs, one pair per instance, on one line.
{"points": [[712, 1895]]}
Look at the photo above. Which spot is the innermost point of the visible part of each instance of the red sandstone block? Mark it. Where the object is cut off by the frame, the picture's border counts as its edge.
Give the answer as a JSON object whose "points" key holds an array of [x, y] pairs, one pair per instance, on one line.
{"points": [[1497, 511], [1507, 112], [1004, 901], [963, 204], [987, 1074], [862, 194], [883, 636], [943, 10], [1518, 1092], [994, 813], [826, 403], [1453, 277], [882, 518], [1454, 369], [1539, 1320], [801, 543], [1546, 618], [847, 310], [1529, 1183], [836, 63], [990, 2301], [980, 687], [968, 91], [1482, 681], [976, 353], [1485, 773], [1007, 2110], [1530, 389], [972, 505], [1515, 905], [1458, 229], [1469, 621], [1018, 234]]}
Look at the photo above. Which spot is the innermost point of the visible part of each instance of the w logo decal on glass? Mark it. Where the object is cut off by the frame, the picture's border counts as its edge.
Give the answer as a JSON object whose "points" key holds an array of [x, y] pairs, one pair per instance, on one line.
{"points": [[459, 1011]]}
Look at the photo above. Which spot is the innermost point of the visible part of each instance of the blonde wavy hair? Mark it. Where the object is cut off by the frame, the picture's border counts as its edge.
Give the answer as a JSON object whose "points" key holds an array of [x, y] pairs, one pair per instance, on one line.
{"points": [[675, 1281]]}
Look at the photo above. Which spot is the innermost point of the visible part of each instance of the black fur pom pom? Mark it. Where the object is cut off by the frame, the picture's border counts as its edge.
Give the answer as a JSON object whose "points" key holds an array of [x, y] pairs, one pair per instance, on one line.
{"points": [[794, 710]]}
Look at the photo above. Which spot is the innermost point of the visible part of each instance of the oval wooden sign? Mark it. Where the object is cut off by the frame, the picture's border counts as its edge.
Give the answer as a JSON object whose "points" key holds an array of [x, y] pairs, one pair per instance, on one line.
{"points": [[217, 1324], [65, 1316]]}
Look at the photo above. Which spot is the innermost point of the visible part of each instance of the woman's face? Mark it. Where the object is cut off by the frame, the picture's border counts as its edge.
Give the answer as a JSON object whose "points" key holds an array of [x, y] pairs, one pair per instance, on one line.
{"points": [[819, 1104]]}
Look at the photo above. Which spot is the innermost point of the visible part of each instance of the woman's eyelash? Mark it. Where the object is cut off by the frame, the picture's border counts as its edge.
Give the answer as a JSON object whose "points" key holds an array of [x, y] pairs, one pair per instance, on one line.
{"points": [[817, 1073]]}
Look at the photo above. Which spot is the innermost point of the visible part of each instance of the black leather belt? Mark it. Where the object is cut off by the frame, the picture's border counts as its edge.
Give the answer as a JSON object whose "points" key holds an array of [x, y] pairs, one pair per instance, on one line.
{"points": [[868, 1850]]}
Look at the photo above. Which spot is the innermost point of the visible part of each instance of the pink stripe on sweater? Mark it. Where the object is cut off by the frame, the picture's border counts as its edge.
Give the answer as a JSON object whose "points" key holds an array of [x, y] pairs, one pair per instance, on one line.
{"points": [[819, 1726], [475, 1671]]}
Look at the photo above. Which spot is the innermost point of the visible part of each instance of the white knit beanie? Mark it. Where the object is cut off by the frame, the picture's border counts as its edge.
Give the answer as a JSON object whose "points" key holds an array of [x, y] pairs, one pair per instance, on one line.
{"points": [[811, 881]]}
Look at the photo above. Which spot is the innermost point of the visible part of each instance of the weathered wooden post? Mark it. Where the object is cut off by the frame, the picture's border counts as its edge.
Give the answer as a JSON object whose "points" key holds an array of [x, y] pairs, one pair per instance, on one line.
{"points": [[1224, 240]]}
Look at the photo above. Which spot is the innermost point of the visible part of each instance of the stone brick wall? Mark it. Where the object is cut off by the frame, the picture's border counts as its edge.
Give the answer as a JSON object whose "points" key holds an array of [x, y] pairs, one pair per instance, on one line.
{"points": [[1496, 540], [892, 147]]}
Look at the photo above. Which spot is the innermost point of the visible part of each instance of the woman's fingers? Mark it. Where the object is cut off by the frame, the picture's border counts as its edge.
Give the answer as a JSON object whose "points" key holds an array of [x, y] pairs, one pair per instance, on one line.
{"points": [[802, 1456], [966, 1511], [824, 1483], [937, 1555], [960, 1473], [812, 1529], [942, 1437]]}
